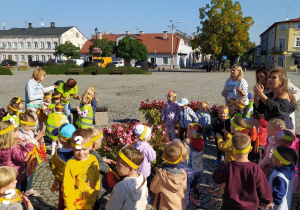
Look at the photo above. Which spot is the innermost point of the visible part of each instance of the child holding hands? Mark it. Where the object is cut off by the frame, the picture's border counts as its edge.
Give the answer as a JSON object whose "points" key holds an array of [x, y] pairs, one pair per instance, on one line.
{"points": [[245, 182], [144, 134], [170, 114]]}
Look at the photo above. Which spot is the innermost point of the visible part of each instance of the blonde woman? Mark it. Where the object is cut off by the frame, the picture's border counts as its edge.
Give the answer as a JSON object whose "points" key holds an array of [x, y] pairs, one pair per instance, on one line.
{"points": [[236, 87]]}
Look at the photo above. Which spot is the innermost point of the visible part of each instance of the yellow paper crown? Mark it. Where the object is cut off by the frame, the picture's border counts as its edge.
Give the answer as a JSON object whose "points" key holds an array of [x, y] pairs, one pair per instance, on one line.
{"points": [[92, 89], [97, 137], [242, 151], [27, 123], [144, 132], [175, 162], [241, 105], [48, 96], [13, 109], [88, 95], [236, 126], [57, 96], [59, 107], [279, 157], [126, 160], [13, 195], [6, 130], [233, 101], [289, 138], [79, 145], [19, 99]]}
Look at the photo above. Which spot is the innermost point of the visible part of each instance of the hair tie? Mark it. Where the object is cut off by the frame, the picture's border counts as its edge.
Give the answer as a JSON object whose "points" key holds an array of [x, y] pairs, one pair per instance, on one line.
{"points": [[171, 92], [126, 160]]}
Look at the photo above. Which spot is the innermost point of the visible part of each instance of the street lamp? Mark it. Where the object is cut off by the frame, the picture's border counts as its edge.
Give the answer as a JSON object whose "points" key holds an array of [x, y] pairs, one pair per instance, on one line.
{"points": [[96, 32], [172, 43]]}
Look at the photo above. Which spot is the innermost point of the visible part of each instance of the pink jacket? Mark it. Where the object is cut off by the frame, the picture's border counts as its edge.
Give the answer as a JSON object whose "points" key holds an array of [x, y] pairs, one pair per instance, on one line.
{"points": [[269, 151], [16, 158]]}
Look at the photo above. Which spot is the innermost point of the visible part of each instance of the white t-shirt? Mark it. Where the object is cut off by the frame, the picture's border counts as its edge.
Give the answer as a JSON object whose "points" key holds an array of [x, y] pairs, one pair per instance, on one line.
{"points": [[231, 87]]}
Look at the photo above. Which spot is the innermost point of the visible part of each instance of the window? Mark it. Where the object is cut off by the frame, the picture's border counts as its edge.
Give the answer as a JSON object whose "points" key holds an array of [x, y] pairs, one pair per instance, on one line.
{"points": [[282, 28], [54, 44], [16, 57], [49, 57], [42, 45], [281, 43], [3, 45], [35, 44], [297, 42], [77, 35], [43, 58], [3, 57], [22, 57], [165, 60], [297, 26], [8, 44], [28, 45], [21, 45], [48, 45], [15, 45], [36, 57]]}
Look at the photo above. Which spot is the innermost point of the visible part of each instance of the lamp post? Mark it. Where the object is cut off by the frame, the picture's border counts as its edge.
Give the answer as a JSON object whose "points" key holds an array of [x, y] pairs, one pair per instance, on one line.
{"points": [[96, 32], [172, 43]]}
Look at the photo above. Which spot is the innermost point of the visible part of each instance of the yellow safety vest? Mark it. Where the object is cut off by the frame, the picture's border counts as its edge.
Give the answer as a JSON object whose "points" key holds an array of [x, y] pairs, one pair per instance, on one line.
{"points": [[54, 120], [86, 122]]}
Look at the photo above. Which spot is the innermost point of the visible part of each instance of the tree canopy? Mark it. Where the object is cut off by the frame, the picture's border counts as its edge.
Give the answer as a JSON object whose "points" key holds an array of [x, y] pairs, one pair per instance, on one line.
{"points": [[68, 50], [107, 47], [129, 48], [223, 30]]}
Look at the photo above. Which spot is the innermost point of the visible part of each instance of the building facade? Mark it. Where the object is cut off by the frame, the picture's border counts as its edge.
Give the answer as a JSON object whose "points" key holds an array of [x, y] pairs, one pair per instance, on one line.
{"points": [[23, 45], [280, 44]]}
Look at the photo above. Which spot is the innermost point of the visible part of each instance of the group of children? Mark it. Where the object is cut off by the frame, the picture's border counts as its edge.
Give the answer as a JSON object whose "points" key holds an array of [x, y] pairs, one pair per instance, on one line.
{"points": [[81, 174]]}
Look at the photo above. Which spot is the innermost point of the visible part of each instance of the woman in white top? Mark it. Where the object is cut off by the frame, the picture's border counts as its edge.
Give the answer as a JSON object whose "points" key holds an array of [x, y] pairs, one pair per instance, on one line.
{"points": [[236, 87]]}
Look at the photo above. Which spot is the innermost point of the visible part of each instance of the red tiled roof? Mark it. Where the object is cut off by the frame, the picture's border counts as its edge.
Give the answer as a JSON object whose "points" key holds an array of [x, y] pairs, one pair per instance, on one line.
{"points": [[285, 21], [151, 41]]}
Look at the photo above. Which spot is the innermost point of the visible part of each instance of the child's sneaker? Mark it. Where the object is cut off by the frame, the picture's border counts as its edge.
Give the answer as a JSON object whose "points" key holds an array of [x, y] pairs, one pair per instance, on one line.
{"points": [[32, 192], [217, 162]]}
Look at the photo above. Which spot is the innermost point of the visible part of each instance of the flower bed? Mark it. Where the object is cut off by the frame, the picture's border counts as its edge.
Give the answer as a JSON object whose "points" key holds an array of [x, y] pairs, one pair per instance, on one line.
{"points": [[23, 68], [9, 67]]}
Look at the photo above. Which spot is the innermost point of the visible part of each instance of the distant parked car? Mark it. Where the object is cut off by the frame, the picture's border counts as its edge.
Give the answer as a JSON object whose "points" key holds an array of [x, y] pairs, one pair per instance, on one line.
{"points": [[118, 63], [298, 65], [8, 62], [200, 65], [149, 64], [194, 65], [36, 63]]}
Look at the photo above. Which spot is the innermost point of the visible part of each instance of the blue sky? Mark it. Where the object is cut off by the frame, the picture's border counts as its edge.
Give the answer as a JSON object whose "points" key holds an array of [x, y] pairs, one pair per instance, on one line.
{"points": [[151, 16]]}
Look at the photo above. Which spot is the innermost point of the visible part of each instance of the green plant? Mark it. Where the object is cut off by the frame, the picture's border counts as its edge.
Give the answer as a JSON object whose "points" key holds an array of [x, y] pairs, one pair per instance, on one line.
{"points": [[5, 71], [154, 115]]}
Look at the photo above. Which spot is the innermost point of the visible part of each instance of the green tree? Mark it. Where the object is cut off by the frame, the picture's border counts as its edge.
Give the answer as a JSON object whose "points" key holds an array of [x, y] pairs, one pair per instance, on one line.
{"points": [[223, 30], [129, 49], [248, 55], [68, 50], [107, 47]]}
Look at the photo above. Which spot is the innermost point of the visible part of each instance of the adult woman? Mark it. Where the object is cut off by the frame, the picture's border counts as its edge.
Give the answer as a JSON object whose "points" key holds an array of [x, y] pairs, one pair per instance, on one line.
{"points": [[34, 92], [279, 102], [68, 90], [262, 76], [236, 87]]}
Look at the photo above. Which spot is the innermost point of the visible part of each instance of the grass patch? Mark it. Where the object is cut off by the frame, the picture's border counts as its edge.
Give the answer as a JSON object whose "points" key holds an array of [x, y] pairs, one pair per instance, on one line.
{"points": [[5, 71]]}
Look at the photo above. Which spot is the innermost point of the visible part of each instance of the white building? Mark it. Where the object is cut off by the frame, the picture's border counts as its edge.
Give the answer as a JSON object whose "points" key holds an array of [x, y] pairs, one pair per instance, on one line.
{"points": [[36, 44]]}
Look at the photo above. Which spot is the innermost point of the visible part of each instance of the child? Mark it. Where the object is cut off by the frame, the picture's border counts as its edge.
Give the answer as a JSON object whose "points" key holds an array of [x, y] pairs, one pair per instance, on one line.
{"points": [[26, 135], [144, 134], [14, 109], [170, 114], [47, 103], [91, 91], [186, 117], [60, 158], [132, 191], [203, 118], [97, 136], [245, 182], [219, 125], [248, 110], [55, 120], [170, 181], [238, 124], [240, 105], [81, 179], [273, 128], [55, 100], [11, 153], [85, 114], [9, 196], [231, 104], [281, 179]]}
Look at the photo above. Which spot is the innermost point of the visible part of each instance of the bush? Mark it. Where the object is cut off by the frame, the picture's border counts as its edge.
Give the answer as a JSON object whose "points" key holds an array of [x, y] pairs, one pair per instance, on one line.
{"points": [[10, 62], [110, 65], [145, 66], [50, 62], [5, 71], [128, 65], [59, 69]]}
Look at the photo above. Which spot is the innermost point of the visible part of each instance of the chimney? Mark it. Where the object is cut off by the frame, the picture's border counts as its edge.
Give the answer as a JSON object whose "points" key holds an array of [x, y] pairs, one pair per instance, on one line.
{"points": [[100, 35], [141, 33], [52, 24], [165, 35], [127, 32], [105, 32], [29, 25]]}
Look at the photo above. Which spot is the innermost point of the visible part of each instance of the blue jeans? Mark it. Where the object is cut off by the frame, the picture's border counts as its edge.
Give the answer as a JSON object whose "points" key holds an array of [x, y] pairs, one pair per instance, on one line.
{"points": [[68, 111], [30, 178]]}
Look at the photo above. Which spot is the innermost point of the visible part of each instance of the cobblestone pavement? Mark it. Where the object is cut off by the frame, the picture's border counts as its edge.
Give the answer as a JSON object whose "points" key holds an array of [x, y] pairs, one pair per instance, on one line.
{"points": [[122, 95]]}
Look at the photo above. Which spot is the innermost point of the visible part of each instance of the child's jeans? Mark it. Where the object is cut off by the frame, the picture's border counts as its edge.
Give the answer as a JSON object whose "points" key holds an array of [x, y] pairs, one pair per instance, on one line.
{"points": [[170, 131], [29, 179]]}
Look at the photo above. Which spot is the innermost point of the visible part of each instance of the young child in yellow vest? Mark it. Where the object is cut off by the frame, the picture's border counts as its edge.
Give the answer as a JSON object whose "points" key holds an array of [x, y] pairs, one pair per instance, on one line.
{"points": [[9, 195], [60, 158], [86, 113], [81, 179], [55, 120], [47, 103], [14, 108]]}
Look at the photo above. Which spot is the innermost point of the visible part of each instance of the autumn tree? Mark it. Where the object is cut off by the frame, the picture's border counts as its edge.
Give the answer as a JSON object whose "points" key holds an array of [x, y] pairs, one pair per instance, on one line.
{"points": [[68, 50], [129, 49], [223, 30], [107, 47]]}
